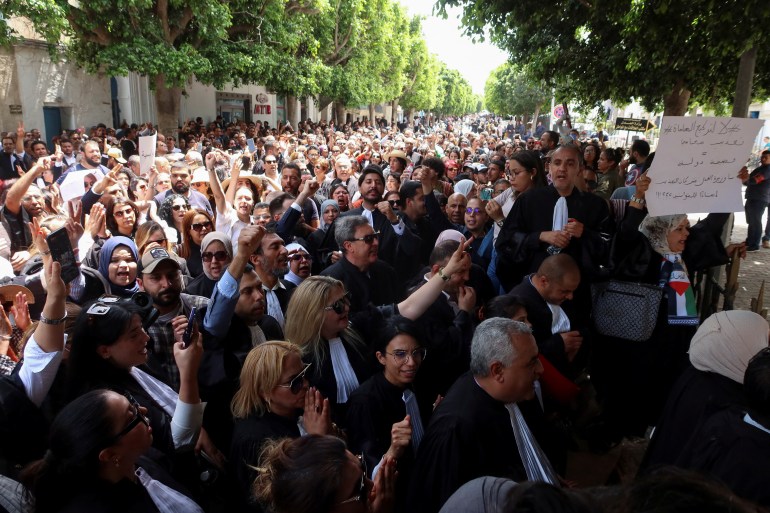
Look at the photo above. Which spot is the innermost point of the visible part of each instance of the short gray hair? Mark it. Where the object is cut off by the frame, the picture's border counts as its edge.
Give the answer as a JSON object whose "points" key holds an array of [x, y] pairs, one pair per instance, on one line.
{"points": [[492, 343], [345, 228]]}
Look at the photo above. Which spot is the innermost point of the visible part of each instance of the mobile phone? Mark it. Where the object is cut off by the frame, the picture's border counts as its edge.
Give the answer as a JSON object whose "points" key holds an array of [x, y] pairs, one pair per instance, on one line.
{"points": [[61, 251], [486, 193], [188, 332]]}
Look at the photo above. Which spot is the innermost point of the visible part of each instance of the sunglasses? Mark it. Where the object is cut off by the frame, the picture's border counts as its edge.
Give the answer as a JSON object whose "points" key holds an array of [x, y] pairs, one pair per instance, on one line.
{"points": [[296, 383], [177, 208], [301, 256], [271, 161], [472, 210], [340, 305], [393, 203], [360, 494], [367, 239], [162, 242], [137, 418], [220, 256], [199, 226]]}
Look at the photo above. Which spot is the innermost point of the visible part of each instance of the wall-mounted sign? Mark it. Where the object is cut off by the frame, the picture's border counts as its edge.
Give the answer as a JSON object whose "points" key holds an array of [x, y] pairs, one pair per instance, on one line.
{"points": [[261, 109], [15, 109], [262, 98]]}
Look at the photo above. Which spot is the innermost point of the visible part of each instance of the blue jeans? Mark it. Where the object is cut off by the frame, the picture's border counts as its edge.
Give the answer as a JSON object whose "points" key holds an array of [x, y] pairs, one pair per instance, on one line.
{"points": [[754, 210]]}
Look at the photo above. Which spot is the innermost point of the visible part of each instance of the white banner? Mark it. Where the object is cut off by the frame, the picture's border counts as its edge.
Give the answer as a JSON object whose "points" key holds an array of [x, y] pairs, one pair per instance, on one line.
{"points": [[147, 153], [697, 162]]}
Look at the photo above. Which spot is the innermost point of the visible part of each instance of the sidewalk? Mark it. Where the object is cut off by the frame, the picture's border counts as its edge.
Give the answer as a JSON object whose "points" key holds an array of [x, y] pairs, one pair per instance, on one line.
{"points": [[754, 269]]}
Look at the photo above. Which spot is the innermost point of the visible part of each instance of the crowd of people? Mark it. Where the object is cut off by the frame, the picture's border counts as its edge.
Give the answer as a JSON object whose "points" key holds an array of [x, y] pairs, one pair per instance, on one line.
{"points": [[366, 317]]}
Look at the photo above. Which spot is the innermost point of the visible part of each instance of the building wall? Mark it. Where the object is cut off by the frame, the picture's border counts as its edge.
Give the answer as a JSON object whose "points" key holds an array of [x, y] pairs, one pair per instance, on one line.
{"points": [[85, 100], [201, 100]]}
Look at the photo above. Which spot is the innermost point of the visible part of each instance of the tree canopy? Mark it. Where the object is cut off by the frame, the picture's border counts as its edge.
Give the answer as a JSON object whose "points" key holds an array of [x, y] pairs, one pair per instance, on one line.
{"points": [[509, 90], [455, 96], [353, 52], [660, 53]]}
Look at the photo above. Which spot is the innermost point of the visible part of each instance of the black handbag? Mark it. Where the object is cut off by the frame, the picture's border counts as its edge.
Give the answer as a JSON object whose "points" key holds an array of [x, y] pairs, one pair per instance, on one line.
{"points": [[625, 309]]}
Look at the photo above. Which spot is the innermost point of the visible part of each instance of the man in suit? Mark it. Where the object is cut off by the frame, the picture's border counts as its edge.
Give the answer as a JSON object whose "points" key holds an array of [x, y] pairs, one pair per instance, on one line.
{"points": [[555, 325], [380, 216], [271, 262], [368, 279]]}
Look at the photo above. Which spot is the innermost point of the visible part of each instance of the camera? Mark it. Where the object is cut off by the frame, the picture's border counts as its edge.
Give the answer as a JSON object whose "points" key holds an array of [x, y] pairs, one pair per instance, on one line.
{"points": [[140, 302]]}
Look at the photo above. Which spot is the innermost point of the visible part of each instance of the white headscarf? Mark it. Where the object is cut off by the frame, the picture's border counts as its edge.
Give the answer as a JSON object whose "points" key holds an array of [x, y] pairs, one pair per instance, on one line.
{"points": [[656, 229], [726, 341], [464, 187]]}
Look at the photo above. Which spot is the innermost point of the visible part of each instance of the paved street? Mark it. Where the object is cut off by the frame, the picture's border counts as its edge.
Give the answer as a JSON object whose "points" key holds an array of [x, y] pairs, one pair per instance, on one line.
{"points": [[754, 269]]}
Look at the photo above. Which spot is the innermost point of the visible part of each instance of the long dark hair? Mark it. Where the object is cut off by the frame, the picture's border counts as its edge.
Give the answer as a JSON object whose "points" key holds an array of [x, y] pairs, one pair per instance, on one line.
{"points": [[78, 434], [529, 160], [85, 367], [165, 210], [110, 202]]}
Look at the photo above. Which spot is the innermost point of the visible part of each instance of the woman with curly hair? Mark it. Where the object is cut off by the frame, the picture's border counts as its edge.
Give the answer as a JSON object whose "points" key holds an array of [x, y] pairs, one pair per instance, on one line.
{"points": [[196, 224], [172, 211]]}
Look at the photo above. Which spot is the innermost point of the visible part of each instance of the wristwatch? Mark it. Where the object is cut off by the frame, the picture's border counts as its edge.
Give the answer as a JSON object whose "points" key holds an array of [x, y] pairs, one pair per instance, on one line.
{"points": [[53, 322], [638, 201], [443, 276]]}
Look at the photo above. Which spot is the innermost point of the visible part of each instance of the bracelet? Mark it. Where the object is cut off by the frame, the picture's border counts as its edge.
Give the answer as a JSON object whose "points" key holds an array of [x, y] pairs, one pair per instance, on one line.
{"points": [[443, 276], [500, 223], [53, 322], [638, 201], [5, 337]]}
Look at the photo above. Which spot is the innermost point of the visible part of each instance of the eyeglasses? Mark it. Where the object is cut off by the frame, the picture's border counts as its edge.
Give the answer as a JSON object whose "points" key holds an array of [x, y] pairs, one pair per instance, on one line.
{"points": [[220, 256], [296, 383], [400, 356], [199, 226], [301, 256], [393, 203], [177, 208], [472, 210], [367, 239], [162, 242], [360, 495], [123, 213], [271, 161], [263, 216], [138, 417], [340, 305]]}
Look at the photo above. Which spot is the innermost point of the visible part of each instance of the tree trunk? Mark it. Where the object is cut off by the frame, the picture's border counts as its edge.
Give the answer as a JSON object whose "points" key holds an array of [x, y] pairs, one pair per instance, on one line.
{"points": [[394, 114], [744, 83], [371, 113], [675, 103], [410, 116], [323, 103], [167, 102], [292, 116], [339, 113], [534, 117]]}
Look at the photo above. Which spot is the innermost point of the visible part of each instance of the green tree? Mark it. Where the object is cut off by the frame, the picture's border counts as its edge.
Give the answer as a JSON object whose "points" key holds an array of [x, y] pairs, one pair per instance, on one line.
{"points": [[509, 90], [661, 53], [455, 96], [271, 42]]}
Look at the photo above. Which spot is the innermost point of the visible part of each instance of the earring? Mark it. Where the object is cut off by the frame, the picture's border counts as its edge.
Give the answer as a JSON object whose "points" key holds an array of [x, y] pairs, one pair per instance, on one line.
{"points": [[116, 461]]}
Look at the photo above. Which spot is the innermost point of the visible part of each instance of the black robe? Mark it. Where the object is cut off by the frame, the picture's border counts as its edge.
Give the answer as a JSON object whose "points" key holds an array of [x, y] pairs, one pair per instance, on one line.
{"points": [[249, 435], [378, 286], [469, 436], [734, 452], [540, 316], [518, 245], [696, 396], [372, 410]]}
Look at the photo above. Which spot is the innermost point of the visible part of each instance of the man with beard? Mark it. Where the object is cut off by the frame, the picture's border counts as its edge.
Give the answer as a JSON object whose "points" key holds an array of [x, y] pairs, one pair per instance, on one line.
{"points": [[380, 215], [92, 160], [270, 261], [291, 180], [161, 278], [180, 184], [367, 279], [23, 202]]}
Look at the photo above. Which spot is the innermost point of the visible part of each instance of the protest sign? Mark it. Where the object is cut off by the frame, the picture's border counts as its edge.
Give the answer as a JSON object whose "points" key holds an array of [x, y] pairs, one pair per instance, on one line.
{"points": [[697, 162], [73, 187], [147, 153]]}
